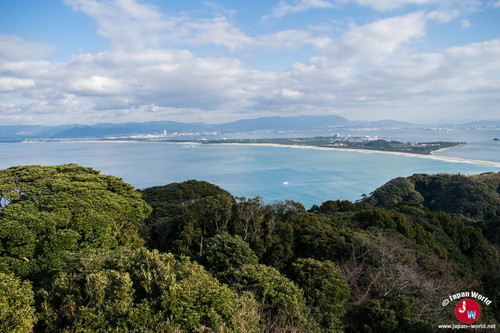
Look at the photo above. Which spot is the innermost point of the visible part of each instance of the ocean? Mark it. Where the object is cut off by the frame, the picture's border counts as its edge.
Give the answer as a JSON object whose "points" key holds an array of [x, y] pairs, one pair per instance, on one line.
{"points": [[309, 176]]}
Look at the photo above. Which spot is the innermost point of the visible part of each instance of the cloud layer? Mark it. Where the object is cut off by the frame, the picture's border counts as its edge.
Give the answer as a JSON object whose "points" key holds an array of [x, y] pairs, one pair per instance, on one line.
{"points": [[152, 71]]}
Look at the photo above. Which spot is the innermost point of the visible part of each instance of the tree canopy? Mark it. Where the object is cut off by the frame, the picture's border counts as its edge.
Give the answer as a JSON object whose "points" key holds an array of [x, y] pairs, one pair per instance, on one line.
{"points": [[17, 304], [48, 211], [85, 252], [140, 290], [476, 196]]}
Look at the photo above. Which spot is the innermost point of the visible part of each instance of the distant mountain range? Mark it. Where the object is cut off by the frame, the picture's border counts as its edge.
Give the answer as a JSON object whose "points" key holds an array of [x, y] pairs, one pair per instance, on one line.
{"points": [[484, 123], [21, 132]]}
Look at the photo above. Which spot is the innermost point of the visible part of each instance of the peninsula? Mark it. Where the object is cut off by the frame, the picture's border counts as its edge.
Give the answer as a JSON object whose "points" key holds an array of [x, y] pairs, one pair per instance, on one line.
{"points": [[350, 142]]}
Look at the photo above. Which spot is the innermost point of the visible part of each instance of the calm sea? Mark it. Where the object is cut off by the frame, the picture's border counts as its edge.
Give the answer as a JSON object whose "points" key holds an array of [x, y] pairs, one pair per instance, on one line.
{"points": [[310, 176], [480, 143]]}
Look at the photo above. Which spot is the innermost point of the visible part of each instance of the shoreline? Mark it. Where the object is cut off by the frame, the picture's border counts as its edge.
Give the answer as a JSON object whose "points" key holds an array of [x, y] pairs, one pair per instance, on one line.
{"points": [[432, 155], [459, 145]]}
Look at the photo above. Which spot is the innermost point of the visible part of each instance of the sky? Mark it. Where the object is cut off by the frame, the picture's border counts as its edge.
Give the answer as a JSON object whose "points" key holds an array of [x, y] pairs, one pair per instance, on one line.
{"points": [[95, 61]]}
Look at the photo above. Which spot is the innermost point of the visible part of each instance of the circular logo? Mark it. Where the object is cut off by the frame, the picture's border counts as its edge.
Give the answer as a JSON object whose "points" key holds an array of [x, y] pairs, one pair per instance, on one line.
{"points": [[467, 311]]}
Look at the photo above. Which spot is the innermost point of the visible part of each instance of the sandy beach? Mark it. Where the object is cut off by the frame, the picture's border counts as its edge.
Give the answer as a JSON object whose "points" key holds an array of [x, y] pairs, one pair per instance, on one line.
{"points": [[431, 156]]}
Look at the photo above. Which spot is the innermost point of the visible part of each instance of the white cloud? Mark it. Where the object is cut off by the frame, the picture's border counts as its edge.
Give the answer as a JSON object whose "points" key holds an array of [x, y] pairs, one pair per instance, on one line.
{"points": [[13, 83], [442, 5], [495, 4], [98, 85], [474, 59], [443, 16], [217, 31], [466, 24], [412, 67], [288, 40], [121, 80], [385, 5], [16, 48], [370, 67], [176, 85], [129, 25], [285, 8], [376, 39], [219, 10], [290, 94], [126, 23], [14, 119]]}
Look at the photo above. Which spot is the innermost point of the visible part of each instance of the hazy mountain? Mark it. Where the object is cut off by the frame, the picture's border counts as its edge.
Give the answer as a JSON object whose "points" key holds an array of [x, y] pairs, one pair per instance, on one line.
{"points": [[133, 128], [380, 123], [284, 123], [30, 131], [101, 130], [484, 123], [267, 123]]}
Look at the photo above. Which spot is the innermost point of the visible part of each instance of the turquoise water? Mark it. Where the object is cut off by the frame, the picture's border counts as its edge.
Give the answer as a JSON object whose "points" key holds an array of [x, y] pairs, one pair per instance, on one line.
{"points": [[480, 144], [310, 176]]}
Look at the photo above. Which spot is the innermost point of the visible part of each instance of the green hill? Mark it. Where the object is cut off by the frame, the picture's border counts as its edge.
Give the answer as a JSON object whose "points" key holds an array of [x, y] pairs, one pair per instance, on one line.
{"points": [[476, 196], [85, 252]]}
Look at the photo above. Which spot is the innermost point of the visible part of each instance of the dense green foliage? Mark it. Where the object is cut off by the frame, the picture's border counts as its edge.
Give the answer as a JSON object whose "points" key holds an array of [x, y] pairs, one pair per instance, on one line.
{"points": [[79, 253], [129, 290], [396, 190], [17, 311], [385, 219], [475, 196], [50, 211], [331, 207], [282, 302], [398, 259], [325, 288], [173, 224], [224, 252]]}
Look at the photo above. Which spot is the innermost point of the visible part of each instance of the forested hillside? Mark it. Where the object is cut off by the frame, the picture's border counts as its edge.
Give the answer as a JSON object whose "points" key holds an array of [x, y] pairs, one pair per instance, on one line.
{"points": [[476, 196], [80, 251]]}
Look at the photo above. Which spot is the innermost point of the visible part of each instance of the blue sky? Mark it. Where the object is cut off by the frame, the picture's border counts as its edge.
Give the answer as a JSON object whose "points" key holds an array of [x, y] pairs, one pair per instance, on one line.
{"points": [[91, 61]]}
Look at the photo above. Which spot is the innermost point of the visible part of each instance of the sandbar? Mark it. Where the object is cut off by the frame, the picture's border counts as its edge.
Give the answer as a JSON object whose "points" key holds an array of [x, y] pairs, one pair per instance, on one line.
{"points": [[431, 155]]}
